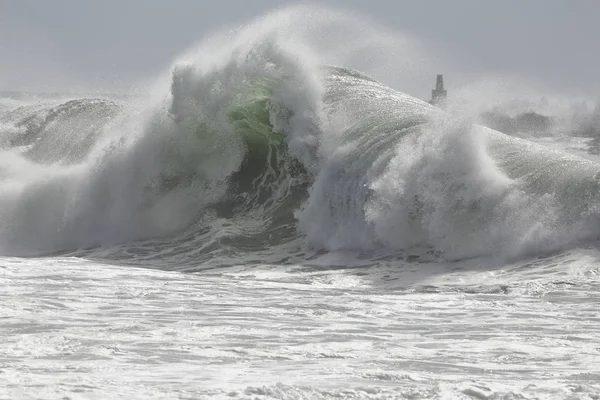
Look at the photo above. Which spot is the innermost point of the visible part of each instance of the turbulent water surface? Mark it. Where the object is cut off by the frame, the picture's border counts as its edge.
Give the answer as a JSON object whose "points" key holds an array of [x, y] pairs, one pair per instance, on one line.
{"points": [[264, 225]]}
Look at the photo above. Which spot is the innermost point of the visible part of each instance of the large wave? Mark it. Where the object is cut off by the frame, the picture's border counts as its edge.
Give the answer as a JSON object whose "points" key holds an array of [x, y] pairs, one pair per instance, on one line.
{"points": [[254, 143]]}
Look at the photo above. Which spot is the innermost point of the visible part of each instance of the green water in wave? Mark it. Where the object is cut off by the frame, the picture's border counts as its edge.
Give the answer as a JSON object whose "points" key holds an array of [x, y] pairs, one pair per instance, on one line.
{"points": [[269, 180], [250, 119]]}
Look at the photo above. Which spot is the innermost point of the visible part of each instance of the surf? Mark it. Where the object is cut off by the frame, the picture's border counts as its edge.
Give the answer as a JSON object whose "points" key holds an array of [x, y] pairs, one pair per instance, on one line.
{"points": [[255, 141]]}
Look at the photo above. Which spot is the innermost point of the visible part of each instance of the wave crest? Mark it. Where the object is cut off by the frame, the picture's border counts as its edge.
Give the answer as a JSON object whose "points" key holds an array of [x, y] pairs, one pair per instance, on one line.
{"points": [[253, 144]]}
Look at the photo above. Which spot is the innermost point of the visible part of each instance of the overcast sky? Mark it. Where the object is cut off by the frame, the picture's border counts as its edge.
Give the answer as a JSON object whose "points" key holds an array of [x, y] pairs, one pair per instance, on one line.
{"points": [[118, 43]]}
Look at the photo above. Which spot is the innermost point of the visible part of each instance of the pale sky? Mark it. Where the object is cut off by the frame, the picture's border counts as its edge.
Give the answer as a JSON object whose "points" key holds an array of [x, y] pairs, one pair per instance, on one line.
{"points": [[47, 45]]}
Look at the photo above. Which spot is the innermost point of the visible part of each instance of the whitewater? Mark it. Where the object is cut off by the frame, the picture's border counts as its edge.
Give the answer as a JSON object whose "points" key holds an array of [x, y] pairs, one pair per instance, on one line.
{"points": [[269, 222]]}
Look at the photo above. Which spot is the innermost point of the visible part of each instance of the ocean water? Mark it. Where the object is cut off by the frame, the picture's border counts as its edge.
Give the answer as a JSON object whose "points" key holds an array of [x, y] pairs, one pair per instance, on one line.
{"points": [[266, 225]]}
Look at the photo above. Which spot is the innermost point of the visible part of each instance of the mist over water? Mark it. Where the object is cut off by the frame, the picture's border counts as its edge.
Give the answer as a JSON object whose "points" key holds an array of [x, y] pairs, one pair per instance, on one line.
{"points": [[273, 161], [254, 126]]}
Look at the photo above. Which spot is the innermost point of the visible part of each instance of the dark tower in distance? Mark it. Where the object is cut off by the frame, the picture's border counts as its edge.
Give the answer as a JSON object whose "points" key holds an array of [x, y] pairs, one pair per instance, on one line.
{"points": [[438, 96]]}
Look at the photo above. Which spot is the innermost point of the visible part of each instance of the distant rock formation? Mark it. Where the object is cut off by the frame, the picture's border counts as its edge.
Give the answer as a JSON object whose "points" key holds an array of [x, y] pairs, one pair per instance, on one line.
{"points": [[499, 122], [529, 122], [586, 124], [532, 122]]}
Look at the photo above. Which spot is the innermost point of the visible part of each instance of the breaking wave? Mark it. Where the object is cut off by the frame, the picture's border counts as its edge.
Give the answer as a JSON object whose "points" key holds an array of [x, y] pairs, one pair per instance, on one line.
{"points": [[254, 144]]}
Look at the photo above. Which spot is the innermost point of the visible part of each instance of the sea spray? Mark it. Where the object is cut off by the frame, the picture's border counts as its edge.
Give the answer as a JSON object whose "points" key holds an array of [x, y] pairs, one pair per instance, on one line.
{"points": [[251, 141]]}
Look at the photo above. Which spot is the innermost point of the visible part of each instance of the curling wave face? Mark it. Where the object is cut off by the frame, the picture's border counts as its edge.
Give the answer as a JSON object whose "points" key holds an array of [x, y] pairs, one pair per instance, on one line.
{"points": [[255, 145]]}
